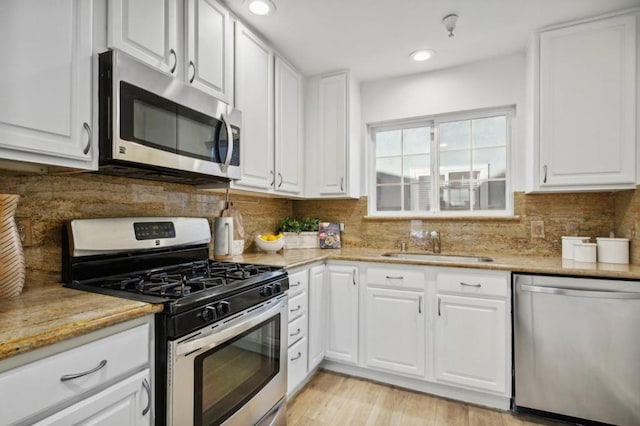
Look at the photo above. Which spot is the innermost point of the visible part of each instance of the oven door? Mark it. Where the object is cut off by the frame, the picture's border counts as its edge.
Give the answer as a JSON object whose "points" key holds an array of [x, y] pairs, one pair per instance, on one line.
{"points": [[231, 372]]}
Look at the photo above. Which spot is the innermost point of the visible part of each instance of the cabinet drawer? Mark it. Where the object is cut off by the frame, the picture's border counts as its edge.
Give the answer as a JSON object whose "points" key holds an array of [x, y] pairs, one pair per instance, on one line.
{"points": [[478, 283], [298, 306], [35, 387], [297, 329], [298, 282], [297, 367], [396, 277]]}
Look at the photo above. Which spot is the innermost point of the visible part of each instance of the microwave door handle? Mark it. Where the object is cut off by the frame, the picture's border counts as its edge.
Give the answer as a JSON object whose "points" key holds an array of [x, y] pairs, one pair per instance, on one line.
{"points": [[227, 160]]}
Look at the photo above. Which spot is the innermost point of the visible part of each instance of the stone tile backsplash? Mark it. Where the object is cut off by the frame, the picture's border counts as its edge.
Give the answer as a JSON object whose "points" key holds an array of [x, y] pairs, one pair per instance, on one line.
{"points": [[540, 220]]}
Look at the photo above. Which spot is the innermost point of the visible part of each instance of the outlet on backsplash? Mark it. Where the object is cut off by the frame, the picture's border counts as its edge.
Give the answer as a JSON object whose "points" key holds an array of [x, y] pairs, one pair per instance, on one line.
{"points": [[537, 229], [24, 230]]}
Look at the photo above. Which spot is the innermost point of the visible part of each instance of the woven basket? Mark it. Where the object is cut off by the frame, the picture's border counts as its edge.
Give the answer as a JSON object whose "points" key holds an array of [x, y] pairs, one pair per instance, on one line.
{"points": [[11, 255]]}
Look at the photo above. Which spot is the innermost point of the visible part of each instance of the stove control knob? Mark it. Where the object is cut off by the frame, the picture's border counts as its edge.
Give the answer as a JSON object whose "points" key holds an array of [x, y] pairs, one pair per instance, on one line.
{"points": [[277, 288], [222, 308], [209, 313], [267, 290]]}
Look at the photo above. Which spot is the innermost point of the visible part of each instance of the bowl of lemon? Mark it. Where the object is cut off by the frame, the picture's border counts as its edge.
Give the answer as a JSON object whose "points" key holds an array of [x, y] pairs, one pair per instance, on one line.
{"points": [[270, 242]]}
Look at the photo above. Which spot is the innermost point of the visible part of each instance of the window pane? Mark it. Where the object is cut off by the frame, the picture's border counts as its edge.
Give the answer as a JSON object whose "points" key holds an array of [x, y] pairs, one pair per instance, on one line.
{"points": [[455, 161], [455, 195], [491, 196], [416, 165], [454, 135], [489, 131], [388, 143], [490, 162], [417, 140], [418, 194], [389, 198], [388, 170]]}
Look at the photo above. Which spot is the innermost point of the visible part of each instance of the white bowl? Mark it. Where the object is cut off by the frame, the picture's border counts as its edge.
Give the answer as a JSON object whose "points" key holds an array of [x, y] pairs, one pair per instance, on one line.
{"points": [[269, 246]]}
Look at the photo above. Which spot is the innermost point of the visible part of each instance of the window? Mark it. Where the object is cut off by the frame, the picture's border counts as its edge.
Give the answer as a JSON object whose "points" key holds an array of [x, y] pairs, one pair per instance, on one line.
{"points": [[445, 165]]}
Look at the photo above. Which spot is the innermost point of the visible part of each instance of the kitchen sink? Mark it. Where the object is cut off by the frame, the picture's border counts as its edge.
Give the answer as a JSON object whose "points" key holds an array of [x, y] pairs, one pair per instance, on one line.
{"points": [[438, 257]]}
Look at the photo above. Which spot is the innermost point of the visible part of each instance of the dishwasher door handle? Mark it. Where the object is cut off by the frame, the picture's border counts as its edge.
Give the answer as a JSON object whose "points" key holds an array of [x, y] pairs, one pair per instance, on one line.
{"points": [[599, 294]]}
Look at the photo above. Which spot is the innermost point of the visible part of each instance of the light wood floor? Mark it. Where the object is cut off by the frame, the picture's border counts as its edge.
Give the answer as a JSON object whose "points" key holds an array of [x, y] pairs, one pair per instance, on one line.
{"points": [[336, 400]]}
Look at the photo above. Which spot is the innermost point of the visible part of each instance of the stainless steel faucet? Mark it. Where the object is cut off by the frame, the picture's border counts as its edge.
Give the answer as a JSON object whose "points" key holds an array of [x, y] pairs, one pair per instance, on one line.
{"points": [[434, 236]]}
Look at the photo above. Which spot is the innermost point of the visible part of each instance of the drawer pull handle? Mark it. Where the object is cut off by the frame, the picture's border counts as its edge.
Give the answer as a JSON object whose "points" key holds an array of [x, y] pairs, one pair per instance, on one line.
{"points": [[67, 377], [296, 357], [399, 277], [470, 285], [296, 284], [295, 309], [296, 333], [147, 388]]}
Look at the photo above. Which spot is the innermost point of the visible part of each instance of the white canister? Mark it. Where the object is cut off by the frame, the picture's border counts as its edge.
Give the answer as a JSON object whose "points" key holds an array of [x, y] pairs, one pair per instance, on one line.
{"points": [[613, 250], [584, 252], [222, 237], [567, 245]]}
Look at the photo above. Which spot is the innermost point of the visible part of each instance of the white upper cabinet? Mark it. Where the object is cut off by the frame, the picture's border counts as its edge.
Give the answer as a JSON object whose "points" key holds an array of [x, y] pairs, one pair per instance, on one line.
{"points": [[332, 136], [288, 127], [254, 97], [584, 103], [269, 93], [209, 36], [146, 29], [45, 89], [200, 51]]}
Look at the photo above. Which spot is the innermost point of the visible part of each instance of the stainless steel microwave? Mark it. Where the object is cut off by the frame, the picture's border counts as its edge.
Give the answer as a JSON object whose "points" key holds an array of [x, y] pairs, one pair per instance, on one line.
{"points": [[157, 127]]}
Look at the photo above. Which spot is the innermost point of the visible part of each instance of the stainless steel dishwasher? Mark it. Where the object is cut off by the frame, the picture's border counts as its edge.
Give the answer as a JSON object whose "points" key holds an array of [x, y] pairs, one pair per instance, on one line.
{"points": [[577, 348]]}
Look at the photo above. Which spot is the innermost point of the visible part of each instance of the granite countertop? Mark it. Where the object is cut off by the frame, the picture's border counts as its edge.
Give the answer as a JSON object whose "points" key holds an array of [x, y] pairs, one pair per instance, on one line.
{"points": [[50, 313], [538, 265]]}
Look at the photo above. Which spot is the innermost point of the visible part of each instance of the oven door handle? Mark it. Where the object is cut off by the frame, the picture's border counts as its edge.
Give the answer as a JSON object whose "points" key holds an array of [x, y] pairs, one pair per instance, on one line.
{"points": [[217, 337]]}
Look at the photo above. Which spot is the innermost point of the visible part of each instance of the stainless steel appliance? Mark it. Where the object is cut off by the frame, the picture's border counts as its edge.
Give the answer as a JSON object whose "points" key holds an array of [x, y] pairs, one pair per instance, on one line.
{"points": [[155, 126], [221, 341], [577, 348]]}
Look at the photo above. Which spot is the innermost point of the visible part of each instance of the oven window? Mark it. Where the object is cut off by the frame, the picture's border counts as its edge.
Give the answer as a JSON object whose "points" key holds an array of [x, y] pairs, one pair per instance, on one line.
{"points": [[229, 375]]}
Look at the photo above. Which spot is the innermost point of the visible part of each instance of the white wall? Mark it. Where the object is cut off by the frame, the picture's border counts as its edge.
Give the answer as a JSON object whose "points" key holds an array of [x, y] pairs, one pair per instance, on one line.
{"points": [[492, 83]]}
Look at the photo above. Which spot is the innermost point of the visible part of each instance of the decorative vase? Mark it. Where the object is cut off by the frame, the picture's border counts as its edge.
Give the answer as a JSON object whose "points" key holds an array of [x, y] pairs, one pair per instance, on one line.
{"points": [[11, 255]]}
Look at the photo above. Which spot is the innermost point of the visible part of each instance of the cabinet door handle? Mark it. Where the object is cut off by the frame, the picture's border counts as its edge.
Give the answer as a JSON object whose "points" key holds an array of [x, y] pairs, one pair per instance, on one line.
{"points": [[86, 126], [175, 60], [342, 183], [399, 277], [470, 285], [193, 77], [67, 377], [296, 357], [273, 178], [439, 300], [147, 388], [280, 176], [544, 180], [295, 309], [353, 276], [420, 304], [297, 284], [296, 333]]}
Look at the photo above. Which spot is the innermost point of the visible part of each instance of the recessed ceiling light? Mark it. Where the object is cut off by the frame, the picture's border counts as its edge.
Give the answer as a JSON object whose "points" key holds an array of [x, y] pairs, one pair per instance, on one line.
{"points": [[421, 55], [262, 7]]}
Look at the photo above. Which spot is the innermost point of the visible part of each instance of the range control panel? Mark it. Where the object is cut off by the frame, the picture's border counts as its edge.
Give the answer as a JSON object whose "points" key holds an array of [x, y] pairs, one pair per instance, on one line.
{"points": [[154, 230]]}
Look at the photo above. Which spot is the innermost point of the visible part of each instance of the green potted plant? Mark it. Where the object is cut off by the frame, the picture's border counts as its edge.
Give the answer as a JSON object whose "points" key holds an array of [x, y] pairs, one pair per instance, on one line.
{"points": [[299, 233]]}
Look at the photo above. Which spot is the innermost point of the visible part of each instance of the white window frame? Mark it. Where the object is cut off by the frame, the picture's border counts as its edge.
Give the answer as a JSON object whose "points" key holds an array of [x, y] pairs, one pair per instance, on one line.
{"points": [[434, 154]]}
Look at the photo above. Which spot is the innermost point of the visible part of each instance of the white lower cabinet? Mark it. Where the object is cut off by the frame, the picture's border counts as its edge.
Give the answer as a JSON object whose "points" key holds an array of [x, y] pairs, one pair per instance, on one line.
{"points": [[395, 331], [102, 378], [342, 313], [317, 316], [470, 342], [127, 403], [297, 365], [298, 326]]}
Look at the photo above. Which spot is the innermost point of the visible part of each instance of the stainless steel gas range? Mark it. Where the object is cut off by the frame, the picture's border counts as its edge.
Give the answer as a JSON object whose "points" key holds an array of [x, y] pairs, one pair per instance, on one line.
{"points": [[221, 340]]}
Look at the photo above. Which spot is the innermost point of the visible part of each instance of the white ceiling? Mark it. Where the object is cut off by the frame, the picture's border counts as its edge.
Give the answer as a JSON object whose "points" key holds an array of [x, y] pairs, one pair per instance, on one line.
{"points": [[373, 38]]}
